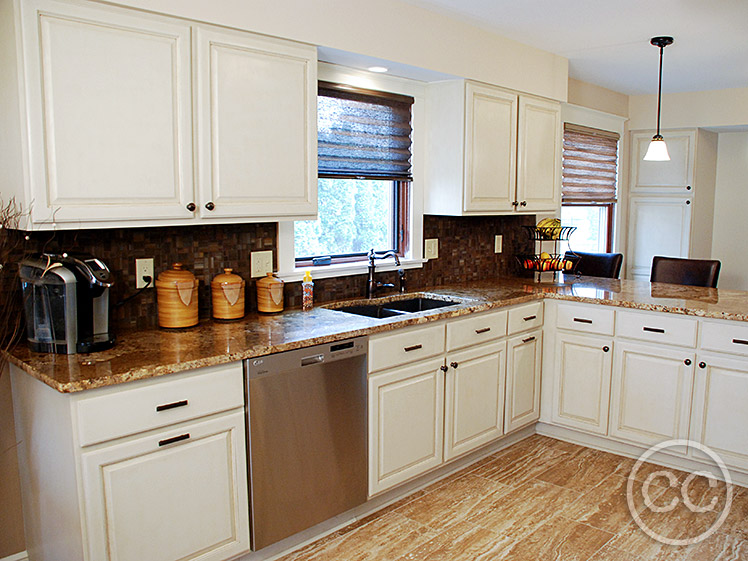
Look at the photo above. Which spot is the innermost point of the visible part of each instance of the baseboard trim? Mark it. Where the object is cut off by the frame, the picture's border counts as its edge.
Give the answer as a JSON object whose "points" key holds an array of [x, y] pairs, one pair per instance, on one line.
{"points": [[22, 556]]}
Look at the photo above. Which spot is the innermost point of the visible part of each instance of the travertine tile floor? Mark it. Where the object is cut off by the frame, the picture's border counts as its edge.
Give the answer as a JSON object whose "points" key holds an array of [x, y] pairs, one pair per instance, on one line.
{"points": [[542, 499]]}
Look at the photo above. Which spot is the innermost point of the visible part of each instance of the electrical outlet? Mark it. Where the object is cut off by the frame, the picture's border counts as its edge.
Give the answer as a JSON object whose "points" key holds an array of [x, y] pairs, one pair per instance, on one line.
{"points": [[261, 263], [497, 243], [431, 248], [144, 268]]}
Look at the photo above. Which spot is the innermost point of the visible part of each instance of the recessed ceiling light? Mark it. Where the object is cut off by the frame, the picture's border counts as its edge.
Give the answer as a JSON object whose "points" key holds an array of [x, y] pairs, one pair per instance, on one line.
{"points": [[378, 69]]}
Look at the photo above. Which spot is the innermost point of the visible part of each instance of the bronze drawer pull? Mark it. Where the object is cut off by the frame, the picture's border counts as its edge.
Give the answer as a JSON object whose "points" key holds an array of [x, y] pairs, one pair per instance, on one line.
{"points": [[740, 341], [487, 329], [174, 439], [582, 320], [528, 339], [653, 329], [412, 348], [528, 318], [167, 406]]}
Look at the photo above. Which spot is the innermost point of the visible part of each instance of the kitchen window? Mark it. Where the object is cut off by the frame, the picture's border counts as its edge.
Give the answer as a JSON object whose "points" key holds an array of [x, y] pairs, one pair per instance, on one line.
{"points": [[588, 192], [364, 169]]}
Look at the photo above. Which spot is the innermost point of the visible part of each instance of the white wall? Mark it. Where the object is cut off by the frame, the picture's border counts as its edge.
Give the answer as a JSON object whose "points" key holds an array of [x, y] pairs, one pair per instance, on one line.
{"points": [[390, 30], [715, 108], [731, 210]]}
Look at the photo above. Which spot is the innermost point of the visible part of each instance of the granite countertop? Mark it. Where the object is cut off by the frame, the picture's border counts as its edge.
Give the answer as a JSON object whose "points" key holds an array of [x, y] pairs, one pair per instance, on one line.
{"points": [[155, 352]]}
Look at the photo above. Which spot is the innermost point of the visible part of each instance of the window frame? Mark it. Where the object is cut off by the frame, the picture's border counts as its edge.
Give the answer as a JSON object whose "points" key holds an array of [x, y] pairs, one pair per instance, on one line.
{"points": [[412, 256]]}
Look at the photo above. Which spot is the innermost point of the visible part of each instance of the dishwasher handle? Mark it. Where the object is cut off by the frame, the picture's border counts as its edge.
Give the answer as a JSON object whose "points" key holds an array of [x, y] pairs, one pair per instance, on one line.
{"points": [[314, 359]]}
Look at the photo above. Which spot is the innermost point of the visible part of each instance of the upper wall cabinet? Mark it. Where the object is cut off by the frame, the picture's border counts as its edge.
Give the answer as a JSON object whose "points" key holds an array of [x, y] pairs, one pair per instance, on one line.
{"points": [[104, 110], [491, 151], [674, 176]]}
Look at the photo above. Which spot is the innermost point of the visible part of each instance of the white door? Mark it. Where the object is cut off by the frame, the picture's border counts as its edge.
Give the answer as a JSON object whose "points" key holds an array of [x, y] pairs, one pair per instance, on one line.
{"points": [[490, 148], [539, 155], [177, 494], [720, 417], [110, 114], [257, 125], [674, 176], [582, 382], [474, 398], [657, 226], [406, 423], [650, 393], [524, 355]]}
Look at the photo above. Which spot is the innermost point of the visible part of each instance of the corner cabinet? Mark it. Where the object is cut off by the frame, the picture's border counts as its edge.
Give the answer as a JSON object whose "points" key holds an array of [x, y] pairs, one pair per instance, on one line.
{"points": [[153, 469], [491, 151], [126, 118]]}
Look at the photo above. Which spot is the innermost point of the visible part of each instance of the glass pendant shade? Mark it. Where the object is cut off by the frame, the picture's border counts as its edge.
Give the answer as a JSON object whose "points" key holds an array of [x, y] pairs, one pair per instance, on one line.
{"points": [[657, 151]]}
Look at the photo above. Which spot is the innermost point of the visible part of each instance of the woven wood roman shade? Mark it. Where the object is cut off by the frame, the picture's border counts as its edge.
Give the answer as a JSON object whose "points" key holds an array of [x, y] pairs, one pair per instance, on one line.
{"points": [[590, 161], [363, 133]]}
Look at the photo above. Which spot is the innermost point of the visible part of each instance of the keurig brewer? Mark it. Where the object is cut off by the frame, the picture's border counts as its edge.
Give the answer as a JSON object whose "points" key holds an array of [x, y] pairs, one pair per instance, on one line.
{"points": [[66, 302]]}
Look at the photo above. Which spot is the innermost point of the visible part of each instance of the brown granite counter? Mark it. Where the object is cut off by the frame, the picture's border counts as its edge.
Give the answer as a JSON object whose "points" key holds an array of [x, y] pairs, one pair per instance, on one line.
{"points": [[155, 352]]}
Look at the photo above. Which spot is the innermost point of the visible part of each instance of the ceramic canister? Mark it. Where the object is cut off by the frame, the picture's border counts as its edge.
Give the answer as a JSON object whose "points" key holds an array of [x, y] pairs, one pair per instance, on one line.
{"points": [[176, 291], [270, 294], [228, 295]]}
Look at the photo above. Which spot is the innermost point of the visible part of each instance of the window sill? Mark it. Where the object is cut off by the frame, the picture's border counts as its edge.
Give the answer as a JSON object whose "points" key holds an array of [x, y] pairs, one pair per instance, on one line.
{"points": [[347, 269]]}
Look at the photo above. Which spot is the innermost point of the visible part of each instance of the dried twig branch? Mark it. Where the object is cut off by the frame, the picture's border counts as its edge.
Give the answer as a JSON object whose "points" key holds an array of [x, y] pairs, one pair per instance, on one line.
{"points": [[12, 244]]}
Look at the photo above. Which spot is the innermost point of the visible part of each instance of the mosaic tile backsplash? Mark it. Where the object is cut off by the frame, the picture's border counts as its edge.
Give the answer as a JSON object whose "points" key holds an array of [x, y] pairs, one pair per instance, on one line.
{"points": [[465, 254]]}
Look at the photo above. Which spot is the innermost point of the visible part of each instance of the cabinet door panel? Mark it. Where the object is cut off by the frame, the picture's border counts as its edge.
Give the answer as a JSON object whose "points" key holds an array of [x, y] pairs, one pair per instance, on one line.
{"points": [[474, 398], [651, 389], [163, 502], [720, 416], [115, 142], [672, 176], [539, 155], [582, 385], [257, 125], [406, 423], [657, 226], [524, 354], [490, 148]]}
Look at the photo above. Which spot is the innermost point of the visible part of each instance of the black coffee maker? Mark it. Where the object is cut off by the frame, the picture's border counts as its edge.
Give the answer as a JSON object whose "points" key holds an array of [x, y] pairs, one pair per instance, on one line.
{"points": [[66, 303]]}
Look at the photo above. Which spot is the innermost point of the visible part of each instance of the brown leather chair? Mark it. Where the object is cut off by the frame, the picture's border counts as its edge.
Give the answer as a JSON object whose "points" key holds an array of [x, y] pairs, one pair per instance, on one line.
{"points": [[606, 265], [692, 272]]}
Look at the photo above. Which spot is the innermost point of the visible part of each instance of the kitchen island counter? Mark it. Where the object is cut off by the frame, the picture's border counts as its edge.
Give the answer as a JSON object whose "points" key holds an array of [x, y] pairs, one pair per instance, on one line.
{"points": [[141, 354]]}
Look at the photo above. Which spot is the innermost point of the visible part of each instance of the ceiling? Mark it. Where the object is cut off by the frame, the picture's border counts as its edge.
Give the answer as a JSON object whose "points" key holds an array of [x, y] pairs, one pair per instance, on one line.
{"points": [[607, 41]]}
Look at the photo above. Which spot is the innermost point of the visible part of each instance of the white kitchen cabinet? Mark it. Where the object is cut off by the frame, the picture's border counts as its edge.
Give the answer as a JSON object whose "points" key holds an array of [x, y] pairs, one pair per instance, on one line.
{"points": [[673, 177], [257, 128], [719, 417], [651, 393], [474, 398], [127, 118], [175, 489], [582, 366], [524, 356], [491, 151], [406, 423]]}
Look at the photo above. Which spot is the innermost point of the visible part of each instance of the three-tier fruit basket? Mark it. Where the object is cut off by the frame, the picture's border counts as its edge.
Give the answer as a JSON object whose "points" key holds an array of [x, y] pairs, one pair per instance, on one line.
{"points": [[553, 261]]}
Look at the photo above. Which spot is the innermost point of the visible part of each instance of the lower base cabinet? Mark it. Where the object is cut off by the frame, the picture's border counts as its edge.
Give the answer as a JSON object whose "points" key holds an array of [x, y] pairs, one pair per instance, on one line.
{"points": [[523, 362], [651, 391]]}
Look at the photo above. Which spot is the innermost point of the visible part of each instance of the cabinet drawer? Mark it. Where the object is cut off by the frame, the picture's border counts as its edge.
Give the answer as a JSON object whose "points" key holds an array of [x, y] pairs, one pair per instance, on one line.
{"points": [[525, 317], [476, 329], [657, 328], [118, 412], [585, 318], [404, 347], [728, 337]]}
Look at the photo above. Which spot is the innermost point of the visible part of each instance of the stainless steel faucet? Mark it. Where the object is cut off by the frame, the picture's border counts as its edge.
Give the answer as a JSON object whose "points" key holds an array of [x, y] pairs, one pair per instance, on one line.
{"points": [[371, 285]]}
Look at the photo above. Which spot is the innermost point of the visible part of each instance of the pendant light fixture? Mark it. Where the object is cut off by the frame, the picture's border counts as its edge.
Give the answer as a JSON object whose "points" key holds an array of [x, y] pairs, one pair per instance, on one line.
{"points": [[657, 151]]}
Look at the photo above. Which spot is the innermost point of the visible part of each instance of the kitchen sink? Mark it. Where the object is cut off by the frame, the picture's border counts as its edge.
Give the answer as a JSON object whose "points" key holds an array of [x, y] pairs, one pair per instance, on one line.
{"points": [[397, 307]]}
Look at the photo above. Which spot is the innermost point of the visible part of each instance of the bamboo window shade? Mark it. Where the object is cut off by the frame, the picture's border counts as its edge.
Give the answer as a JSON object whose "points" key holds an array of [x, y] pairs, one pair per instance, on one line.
{"points": [[590, 161], [363, 133]]}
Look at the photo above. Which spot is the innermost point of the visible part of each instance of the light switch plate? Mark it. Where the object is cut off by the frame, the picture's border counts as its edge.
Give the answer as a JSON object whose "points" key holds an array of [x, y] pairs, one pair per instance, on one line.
{"points": [[144, 268], [498, 241], [261, 263], [431, 248]]}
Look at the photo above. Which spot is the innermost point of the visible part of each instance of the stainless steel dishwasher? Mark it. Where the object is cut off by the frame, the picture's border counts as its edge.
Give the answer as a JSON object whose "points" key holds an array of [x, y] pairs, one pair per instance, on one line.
{"points": [[306, 412]]}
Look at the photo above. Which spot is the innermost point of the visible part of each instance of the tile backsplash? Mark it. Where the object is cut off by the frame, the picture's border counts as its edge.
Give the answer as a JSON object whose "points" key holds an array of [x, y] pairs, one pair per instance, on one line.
{"points": [[466, 253]]}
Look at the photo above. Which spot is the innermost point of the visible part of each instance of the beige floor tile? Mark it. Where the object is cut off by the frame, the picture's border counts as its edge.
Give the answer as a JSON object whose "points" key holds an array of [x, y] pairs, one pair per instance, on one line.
{"points": [[463, 541], [720, 547], [520, 463], [608, 553], [559, 539], [583, 470]]}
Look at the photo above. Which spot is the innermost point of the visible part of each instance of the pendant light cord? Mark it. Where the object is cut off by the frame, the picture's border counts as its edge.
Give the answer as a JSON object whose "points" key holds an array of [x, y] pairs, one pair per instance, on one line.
{"points": [[659, 92]]}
